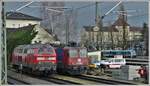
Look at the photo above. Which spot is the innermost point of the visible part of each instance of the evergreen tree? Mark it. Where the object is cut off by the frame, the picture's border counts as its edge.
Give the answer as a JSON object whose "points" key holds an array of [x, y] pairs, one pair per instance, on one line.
{"points": [[19, 37]]}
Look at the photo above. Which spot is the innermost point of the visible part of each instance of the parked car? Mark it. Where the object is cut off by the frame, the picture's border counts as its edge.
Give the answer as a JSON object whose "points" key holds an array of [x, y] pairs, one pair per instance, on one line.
{"points": [[113, 62]]}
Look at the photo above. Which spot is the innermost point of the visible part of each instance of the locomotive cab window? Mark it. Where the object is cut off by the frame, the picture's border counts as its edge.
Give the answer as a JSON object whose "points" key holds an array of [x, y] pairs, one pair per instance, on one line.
{"points": [[19, 50], [73, 53], [25, 50], [83, 53], [31, 51], [48, 50]]}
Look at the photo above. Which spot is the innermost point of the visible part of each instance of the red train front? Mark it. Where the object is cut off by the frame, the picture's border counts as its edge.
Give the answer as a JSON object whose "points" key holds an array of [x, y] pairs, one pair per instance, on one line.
{"points": [[72, 60], [35, 58]]}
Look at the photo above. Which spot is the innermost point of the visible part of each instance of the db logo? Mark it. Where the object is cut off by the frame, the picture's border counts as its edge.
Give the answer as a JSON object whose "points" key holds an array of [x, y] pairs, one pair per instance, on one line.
{"points": [[79, 60]]}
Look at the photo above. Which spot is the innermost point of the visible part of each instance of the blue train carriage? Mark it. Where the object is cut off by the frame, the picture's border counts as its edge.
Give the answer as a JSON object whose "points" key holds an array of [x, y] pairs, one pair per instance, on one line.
{"points": [[111, 53]]}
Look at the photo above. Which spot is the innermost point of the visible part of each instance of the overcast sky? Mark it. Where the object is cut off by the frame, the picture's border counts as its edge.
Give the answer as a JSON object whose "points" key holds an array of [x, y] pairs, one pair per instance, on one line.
{"points": [[86, 16]]}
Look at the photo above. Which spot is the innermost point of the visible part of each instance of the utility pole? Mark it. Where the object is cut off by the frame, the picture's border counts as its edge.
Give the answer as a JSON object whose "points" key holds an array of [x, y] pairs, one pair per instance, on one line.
{"points": [[124, 44], [111, 36], [3, 54], [67, 29], [96, 12], [67, 21], [98, 23]]}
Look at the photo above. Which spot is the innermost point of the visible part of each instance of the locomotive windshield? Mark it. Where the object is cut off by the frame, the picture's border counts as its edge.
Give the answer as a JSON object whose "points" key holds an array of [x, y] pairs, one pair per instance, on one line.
{"points": [[45, 50], [83, 53], [73, 53]]}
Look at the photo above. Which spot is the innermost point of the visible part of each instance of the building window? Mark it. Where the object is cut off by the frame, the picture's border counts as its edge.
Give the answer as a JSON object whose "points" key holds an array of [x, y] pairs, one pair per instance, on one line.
{"points": [[116, 26], [35, 41], [13, 25], [29, 24], [18, 25]]}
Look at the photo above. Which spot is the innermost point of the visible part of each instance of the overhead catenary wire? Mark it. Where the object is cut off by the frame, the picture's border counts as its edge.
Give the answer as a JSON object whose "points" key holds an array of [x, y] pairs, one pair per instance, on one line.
{"points": [[79, 8], [24, 6], [112, 9]]}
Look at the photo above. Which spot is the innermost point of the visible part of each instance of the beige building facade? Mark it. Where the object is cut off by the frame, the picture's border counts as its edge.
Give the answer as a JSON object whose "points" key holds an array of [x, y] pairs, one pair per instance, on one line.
{"points": [[111, 35]]}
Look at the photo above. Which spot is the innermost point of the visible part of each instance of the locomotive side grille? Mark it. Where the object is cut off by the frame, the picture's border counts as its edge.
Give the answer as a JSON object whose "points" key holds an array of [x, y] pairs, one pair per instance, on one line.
{"points": [[41, 66], [45, 63]]}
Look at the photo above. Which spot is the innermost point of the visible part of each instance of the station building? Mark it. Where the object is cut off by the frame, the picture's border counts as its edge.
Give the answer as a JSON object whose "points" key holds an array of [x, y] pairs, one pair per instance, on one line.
{"points": [[112, 35]]}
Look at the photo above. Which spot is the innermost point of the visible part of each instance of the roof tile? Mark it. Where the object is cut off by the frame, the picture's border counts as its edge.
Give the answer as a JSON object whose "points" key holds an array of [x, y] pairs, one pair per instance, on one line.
{"points": [[20, 16]]}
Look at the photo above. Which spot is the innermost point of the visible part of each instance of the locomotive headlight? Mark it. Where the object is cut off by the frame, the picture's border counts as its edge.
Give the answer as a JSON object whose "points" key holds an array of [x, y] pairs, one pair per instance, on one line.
{"points": [[51, 58], [40, 58]]}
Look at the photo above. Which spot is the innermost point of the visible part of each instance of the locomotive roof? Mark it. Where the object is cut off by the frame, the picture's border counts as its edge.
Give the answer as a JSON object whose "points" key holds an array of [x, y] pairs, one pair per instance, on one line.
{"points": [[110, 50], [33, 46], [73, 47]]}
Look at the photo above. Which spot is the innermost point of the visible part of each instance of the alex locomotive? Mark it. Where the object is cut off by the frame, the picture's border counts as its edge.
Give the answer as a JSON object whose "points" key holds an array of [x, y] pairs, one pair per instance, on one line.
{"points": [[72, 60], [35, 58]]}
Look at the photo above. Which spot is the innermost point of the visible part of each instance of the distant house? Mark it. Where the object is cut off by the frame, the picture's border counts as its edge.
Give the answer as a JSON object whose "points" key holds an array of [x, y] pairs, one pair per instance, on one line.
{"points": [[43, 36], [18, 19]]}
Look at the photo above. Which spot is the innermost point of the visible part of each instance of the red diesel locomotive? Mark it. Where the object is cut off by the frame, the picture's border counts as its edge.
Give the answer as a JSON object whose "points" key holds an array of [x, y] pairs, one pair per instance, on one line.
{"points": [[35, 58], [72, 60]]}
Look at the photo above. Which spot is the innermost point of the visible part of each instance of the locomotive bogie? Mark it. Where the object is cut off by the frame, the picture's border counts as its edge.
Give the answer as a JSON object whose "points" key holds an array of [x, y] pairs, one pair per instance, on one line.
{"points": [[76, 70]]}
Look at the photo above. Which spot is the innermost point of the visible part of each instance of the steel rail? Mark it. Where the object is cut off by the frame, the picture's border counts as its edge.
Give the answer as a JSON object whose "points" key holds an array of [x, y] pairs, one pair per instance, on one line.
{"points": [[51, 79], [23, 82], [106, 81], [60, 81]]}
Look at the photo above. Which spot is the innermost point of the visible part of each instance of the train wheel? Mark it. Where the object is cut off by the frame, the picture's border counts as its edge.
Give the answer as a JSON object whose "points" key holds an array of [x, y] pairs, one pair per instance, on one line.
{"points": [[60, 71], [107, 67], [85, 72], [46, 73]]}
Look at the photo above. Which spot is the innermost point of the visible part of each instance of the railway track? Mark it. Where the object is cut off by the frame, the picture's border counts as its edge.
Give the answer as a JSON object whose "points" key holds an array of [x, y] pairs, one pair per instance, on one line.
{"points": [[98, 80], [14, 81], [50, 79], [60, 81], [137, 61], [106, 81], [80, 80], [77, 80]]}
